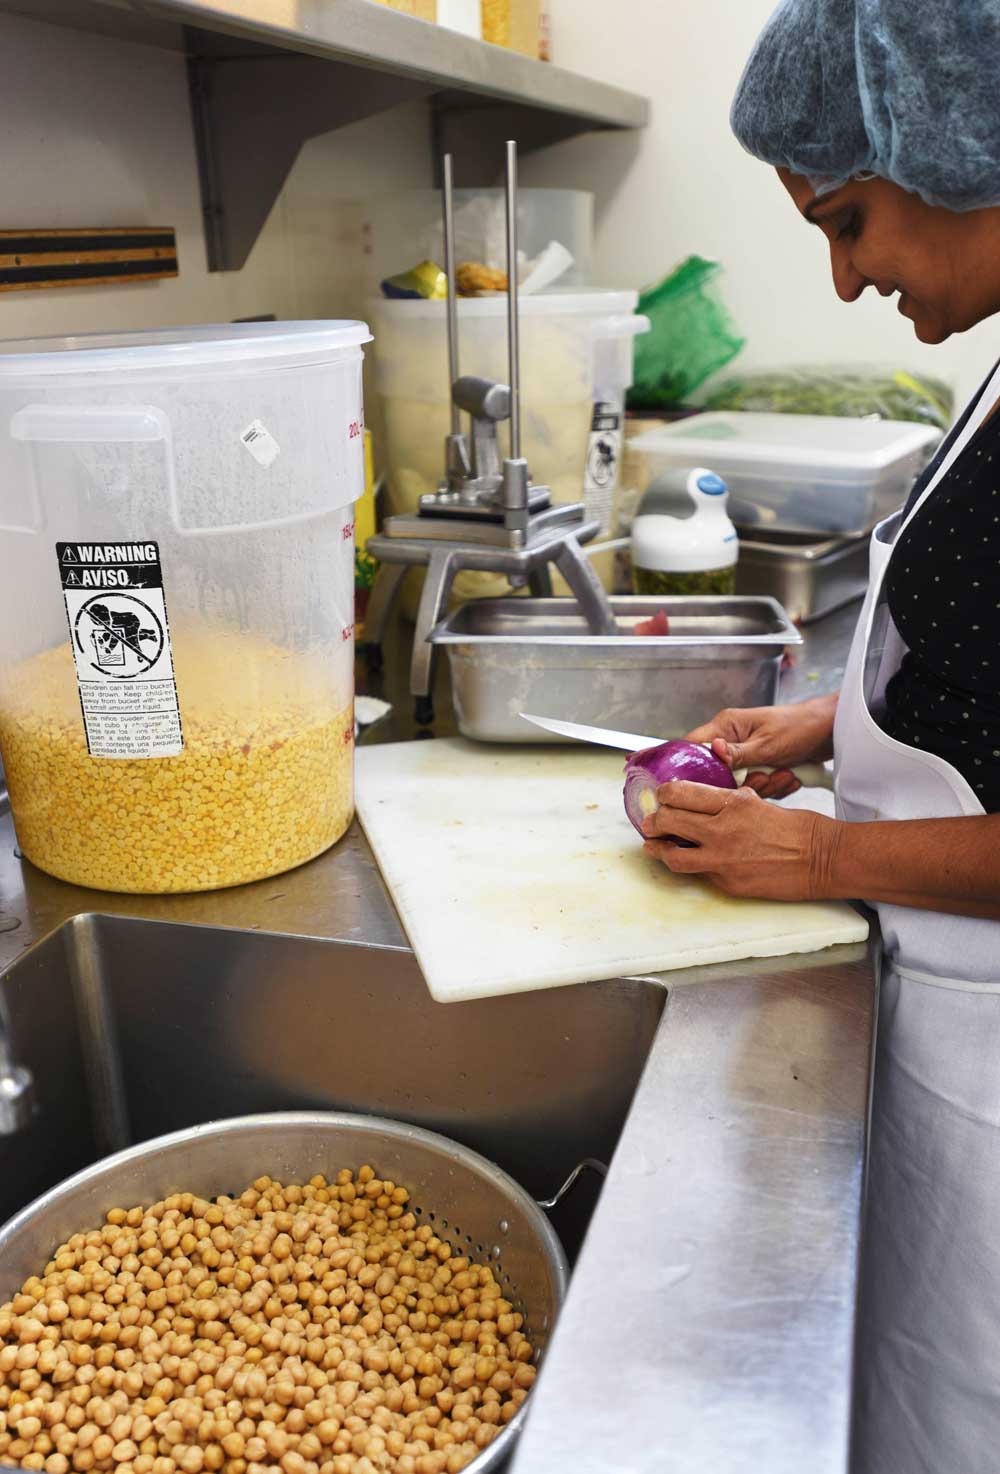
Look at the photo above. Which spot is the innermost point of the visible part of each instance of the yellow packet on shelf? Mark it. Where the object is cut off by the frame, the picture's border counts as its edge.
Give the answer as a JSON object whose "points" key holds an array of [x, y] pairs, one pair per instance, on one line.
{"points": [[426, 280]]}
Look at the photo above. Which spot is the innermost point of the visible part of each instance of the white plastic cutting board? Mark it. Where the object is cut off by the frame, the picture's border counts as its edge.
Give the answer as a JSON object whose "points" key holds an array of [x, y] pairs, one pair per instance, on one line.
{"points": [[516, 868]]}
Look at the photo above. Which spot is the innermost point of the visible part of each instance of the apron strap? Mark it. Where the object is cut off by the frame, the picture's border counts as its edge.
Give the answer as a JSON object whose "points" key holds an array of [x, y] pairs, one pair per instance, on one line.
{"points": [[931, 469]]}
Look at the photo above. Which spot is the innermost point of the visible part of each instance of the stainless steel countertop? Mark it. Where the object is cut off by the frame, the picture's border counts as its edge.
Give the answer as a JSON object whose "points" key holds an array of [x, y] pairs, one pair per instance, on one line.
{"points": [[710, 1318], [818, 664]]}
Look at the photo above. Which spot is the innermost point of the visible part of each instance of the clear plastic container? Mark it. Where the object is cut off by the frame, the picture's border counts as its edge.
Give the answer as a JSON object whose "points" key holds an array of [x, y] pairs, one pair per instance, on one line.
{"points": [[576, 353], [404, 228], [176, 619], [797, 473]]}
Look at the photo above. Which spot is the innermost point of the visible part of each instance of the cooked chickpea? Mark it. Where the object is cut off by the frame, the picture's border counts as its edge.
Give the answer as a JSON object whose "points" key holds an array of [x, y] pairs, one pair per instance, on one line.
{"points": [[292, 1330], [267, 757]]}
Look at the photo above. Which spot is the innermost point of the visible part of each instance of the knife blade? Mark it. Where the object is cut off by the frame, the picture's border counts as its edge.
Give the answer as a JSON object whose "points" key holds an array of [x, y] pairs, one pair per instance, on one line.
{"points": [[598, 736], [810, 775]]}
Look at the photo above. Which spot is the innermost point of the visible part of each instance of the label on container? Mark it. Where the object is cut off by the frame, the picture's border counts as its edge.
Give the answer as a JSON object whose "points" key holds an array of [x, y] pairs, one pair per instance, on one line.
{"points": [[603, 451], [121, 645], [261, 443]]}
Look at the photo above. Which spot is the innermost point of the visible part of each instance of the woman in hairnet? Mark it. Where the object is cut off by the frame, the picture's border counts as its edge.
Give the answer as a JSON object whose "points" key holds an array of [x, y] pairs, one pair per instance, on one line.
{"points": [[882, 118]]}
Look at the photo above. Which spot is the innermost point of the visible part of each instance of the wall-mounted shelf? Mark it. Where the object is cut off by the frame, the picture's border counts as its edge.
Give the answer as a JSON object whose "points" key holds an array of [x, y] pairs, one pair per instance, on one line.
{"points": [[266, 75]]}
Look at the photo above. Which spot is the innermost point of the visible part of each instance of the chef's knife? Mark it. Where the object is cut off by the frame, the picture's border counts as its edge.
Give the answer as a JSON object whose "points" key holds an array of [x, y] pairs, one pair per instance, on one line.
{"points": [[810, 775]]}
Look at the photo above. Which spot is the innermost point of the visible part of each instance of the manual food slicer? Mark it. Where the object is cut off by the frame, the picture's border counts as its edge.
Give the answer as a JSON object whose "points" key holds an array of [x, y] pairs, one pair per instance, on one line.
{"points": [[487, 514]]}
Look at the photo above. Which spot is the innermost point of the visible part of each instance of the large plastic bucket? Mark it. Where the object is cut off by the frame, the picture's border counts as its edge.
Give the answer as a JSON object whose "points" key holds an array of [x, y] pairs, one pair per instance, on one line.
{"points": [[176, 616]]}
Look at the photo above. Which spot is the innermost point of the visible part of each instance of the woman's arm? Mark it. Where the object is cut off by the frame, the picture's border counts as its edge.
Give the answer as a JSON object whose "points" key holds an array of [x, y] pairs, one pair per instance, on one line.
{"points": [[934, 864], [751, 848]]}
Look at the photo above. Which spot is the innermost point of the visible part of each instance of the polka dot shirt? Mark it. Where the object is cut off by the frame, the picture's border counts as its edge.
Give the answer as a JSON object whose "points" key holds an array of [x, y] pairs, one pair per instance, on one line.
{"points": [[943, 589]]}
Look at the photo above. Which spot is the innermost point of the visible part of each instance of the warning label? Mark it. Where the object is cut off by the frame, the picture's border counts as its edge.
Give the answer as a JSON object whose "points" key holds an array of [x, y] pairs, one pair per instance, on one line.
{"points": [[121, 645], [603, 451]]}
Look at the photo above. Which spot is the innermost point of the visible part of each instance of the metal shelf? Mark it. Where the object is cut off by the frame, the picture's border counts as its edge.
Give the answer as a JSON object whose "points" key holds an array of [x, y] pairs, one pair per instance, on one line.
{"points": [[266, 75]]}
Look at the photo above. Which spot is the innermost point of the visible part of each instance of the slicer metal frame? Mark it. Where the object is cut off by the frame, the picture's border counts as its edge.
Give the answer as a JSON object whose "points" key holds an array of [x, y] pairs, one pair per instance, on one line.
{"points": [[486, 514]]}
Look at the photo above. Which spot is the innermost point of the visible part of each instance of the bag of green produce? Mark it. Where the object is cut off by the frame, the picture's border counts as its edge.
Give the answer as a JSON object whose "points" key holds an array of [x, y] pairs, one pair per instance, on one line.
{"points": [[827, 389], [691, 336]]}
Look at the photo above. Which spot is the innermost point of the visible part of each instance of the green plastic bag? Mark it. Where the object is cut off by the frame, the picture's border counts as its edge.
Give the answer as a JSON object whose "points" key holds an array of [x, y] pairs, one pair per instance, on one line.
{"points": [[692, 336]]}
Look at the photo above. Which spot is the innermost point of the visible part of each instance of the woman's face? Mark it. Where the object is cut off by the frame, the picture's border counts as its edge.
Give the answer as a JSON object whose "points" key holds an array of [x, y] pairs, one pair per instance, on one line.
{"points": [[945, 265]]}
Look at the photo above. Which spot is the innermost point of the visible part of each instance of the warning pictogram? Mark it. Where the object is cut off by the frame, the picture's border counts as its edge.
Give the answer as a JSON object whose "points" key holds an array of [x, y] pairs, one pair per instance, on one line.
{"points": [[69, 556], [121, 636]]}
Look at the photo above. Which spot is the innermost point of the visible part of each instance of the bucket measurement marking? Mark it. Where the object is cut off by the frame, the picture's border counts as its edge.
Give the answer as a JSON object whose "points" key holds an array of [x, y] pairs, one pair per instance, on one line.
{"points": [[120, 636]]}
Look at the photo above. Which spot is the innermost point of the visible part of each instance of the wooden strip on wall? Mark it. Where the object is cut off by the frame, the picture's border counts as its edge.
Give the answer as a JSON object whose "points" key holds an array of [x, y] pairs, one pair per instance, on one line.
{"points": [[31, 259]]}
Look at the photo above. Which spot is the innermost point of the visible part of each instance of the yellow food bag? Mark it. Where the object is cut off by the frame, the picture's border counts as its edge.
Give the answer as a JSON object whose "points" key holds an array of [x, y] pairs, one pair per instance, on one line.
{"points": [[515, 24], [422, 9]]}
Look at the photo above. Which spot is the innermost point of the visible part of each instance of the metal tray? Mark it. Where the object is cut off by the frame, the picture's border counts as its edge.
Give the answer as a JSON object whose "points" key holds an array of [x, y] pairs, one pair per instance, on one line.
{"points": [[809, 577], [537, 655]]}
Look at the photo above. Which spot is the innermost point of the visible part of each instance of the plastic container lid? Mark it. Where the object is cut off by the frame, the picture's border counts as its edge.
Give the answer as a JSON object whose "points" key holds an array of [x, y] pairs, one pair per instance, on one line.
{"points": [[817, 447], [183, 347], [582, 302]]}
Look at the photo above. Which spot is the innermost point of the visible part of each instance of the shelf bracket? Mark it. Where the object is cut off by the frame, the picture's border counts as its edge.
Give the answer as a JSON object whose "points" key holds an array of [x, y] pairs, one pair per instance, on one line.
{"points": [[252, 114], [266, 76]]}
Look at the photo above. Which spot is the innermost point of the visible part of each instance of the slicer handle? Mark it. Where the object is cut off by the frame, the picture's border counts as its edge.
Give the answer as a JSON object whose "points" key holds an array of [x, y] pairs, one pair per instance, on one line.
{"points": [[484, 399]]}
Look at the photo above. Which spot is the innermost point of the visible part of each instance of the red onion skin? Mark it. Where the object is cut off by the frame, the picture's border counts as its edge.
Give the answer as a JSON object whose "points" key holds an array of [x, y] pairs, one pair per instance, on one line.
{"points": [[668, 763]]}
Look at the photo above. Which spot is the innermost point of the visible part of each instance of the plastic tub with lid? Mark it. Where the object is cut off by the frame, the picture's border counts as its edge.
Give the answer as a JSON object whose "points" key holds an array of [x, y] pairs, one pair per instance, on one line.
{"points": [[405, 227], [798, 473], [576, 364], [176, 624]]}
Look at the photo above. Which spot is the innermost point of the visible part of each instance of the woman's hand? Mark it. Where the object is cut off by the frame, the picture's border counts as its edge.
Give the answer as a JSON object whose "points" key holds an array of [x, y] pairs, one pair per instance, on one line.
{"points": [[745, 846], [772, 737]]}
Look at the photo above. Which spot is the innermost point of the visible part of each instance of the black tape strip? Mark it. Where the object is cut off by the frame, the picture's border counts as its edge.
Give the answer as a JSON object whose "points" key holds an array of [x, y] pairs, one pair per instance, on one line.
{"points": [[86, 271]]}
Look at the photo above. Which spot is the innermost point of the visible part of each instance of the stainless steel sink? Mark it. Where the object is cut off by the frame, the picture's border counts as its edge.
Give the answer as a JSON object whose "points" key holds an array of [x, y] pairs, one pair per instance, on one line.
{"points": [[133, 1028], [724, 1241]]}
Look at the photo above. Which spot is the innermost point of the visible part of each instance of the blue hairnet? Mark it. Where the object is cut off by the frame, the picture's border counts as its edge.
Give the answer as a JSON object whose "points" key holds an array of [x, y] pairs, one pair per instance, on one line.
{"points": [[906, 89]]}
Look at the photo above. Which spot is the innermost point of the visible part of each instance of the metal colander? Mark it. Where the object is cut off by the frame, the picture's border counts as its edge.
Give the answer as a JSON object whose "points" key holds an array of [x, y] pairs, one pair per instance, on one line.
{"points": [[473, 1206]]}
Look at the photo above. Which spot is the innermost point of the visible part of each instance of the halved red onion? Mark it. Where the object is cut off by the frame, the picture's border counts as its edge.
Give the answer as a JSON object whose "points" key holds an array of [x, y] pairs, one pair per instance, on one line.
{"points": [[687, 761]]}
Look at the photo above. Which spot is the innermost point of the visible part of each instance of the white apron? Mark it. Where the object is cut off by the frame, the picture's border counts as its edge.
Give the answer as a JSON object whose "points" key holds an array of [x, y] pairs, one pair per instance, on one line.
{"points": [[928, 1370]]}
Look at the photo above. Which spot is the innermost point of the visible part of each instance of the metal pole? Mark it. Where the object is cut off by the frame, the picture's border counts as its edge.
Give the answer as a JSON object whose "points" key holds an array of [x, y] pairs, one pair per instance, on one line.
{"points": [[449, 266], [513, 338]]}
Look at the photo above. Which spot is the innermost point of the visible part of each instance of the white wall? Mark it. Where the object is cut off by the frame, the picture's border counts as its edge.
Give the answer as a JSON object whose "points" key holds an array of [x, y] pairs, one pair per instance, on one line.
{"points": [[689, 187], [98, 132]]}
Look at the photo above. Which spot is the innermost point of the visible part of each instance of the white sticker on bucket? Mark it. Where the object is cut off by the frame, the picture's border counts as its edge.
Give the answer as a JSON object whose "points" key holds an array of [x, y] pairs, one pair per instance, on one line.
{"points": [[121, 647], [261, 443]]}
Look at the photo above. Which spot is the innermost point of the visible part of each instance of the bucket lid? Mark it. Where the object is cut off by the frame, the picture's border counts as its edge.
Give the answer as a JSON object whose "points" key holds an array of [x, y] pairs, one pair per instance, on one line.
{"points": [[181, 347], [580, 302]]}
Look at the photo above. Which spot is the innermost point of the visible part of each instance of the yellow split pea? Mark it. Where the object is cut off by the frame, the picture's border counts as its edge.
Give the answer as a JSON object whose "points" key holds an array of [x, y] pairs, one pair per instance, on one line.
{"points": [[264, 783]]}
